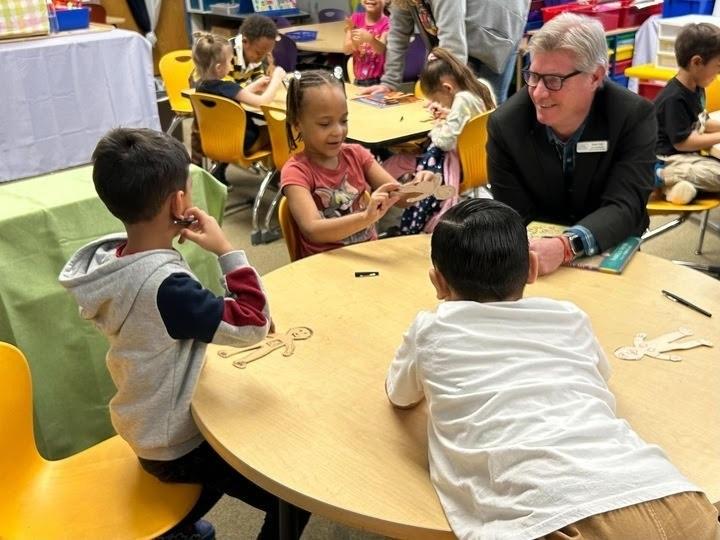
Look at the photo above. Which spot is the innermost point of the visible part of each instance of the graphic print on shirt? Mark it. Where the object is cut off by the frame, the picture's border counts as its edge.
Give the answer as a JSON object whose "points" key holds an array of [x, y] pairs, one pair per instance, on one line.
{"points": [[426, 17], [340, 202]]}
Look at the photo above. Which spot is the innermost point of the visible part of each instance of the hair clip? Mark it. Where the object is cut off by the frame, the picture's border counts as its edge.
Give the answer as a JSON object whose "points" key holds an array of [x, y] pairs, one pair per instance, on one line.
{"points": [[338, 73], [296, 75], [431, 57]]}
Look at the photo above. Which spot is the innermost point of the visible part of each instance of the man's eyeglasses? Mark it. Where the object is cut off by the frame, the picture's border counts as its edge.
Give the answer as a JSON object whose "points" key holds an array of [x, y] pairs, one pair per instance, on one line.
{"points": [[551, 82]]}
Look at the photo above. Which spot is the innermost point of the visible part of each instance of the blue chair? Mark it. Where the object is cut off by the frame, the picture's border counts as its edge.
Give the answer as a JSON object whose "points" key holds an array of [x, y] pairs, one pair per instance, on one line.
{"points": [[330, 15], [285, 53], [415, 57], [282, 22]]}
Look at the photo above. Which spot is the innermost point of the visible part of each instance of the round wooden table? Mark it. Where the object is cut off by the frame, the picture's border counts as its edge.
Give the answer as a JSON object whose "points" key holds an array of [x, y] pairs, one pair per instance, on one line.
{"points": [[317, 430]]}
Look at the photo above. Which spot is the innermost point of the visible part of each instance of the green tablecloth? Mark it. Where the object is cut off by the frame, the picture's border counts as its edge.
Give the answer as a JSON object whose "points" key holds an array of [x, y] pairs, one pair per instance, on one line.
{"points": [[43, 221]]}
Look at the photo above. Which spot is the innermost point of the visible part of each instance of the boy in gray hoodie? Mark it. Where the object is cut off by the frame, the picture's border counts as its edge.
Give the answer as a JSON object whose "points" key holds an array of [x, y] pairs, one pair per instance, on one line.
{"points": [[159, 319]]}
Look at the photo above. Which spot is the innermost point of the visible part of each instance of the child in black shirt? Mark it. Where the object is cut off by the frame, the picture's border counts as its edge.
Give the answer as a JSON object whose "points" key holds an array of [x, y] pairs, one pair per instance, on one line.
{"points": [[684, 128]]}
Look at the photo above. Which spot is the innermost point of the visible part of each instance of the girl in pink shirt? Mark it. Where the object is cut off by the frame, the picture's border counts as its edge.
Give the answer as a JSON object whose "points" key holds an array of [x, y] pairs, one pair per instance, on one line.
{"points": [[365, 39], [326, 183]]}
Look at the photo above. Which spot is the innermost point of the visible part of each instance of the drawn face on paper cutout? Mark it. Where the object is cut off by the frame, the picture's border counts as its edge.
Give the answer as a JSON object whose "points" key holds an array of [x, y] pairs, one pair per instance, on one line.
{"points": [[300, 332]]}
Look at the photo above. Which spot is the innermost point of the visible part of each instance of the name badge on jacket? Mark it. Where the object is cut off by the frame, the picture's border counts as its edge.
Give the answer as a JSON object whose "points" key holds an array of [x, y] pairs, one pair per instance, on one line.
{"points": [[591, 147]]}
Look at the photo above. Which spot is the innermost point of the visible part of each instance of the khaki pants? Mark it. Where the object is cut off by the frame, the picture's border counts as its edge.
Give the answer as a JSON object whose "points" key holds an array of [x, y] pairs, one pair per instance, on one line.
{"points": [[684, 516], [702, 172]]}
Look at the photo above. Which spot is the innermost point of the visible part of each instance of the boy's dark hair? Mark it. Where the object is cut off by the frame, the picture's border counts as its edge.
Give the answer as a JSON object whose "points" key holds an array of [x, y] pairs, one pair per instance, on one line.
{"points": [[480, 246], [701, 39], [136, 169], [258, 26], [299, 83]]}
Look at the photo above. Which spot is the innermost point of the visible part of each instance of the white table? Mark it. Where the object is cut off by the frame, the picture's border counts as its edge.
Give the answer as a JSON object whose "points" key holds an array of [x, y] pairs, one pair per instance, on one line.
{"points": [[61, 94]]}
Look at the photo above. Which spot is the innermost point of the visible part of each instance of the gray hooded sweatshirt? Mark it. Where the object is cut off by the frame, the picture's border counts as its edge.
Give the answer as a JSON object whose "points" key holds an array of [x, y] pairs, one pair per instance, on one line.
{"points": [[158, 320]]}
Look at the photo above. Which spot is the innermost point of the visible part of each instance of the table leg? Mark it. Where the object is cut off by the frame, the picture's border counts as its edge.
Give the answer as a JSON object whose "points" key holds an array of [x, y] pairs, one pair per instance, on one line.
{"points": [[288, 521]]}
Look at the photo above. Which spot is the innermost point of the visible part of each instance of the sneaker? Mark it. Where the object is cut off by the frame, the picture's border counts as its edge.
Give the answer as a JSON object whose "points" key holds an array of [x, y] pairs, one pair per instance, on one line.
{"points": [[200, 530], [681, 193]]}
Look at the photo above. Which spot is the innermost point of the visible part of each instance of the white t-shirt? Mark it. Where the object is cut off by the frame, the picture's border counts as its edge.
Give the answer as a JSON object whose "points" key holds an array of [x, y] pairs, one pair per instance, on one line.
{"points": [[522, 433]]}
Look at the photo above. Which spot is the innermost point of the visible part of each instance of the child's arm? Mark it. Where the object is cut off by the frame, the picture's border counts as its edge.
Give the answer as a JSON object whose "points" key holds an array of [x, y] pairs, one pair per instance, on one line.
{"points": [[697, 141], [263, 90], [376, 176], [325, 230], [348, 45], [402, 384], [191, 312], [444, 135]]}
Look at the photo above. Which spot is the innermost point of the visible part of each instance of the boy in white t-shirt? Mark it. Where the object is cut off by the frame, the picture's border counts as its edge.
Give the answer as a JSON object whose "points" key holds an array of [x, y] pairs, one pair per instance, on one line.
{"points": [[523, 441]]}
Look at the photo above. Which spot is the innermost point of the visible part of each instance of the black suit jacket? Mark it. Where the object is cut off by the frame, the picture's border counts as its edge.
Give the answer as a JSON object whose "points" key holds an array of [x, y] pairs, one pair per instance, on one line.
{"points": [[610, 189]]}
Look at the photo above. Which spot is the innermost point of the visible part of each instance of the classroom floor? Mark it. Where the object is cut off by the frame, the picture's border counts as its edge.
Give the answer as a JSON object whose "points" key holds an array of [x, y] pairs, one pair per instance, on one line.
{"points": [[236, 520]]}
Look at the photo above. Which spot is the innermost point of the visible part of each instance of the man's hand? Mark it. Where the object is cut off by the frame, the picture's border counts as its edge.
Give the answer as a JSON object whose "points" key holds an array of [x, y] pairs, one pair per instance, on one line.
{"points": [[205, 232], [550, 252]]}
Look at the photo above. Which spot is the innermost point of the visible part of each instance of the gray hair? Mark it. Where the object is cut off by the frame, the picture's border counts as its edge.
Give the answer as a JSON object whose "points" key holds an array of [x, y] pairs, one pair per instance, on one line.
{"points": [[582, 36]]}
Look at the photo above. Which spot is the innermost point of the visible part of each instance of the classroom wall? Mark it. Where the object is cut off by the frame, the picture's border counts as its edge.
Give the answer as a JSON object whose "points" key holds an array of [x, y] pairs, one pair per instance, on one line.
{"points": [[171, 33], [313, 6]]}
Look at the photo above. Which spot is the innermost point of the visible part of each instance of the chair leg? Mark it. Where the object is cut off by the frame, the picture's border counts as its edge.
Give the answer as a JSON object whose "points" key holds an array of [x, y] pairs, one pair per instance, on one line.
{"points": [[666, 227], [703, 227], [256, 234], [174, 124], [270, 235]]}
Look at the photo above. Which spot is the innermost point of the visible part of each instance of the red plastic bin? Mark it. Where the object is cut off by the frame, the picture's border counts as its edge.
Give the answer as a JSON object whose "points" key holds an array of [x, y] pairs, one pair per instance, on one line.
{"points": [[550, 12], [608, 14], [621, 66], [649, 89], [634, 16]]}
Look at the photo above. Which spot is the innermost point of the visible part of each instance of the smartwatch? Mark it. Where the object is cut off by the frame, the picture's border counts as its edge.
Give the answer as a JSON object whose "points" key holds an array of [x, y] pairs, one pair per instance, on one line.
{"points": [[576, 244]]}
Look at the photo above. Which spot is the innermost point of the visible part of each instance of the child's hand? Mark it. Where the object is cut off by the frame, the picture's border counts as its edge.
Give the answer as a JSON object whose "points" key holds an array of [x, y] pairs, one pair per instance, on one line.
{"points": [[205, 232], [278, 73], [360, 35], [381, 200], [258, 86], [438, 111]]}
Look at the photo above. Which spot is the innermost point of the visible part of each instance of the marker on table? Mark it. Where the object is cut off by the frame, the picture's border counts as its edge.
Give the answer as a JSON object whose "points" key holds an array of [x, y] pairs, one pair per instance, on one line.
{"points": [[367, 274], [679, 300]]}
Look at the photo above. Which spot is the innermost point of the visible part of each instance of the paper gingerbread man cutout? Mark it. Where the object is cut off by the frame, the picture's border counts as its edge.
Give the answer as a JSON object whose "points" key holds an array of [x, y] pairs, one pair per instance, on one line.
{"points": [[271, 343], [424, 188], [656, 348]]}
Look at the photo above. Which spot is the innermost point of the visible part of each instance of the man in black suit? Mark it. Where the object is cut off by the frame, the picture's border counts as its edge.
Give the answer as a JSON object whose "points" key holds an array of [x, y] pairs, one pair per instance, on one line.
{"points": [[573, 147]]}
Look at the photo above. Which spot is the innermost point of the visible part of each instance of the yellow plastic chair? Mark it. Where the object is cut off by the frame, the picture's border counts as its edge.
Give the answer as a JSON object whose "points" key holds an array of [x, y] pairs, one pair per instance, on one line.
{"points": [[289, 229], [175, 70], [712, 96], [222, 125], [280, 150], [471, 151], [684, 211], [101, 492]]}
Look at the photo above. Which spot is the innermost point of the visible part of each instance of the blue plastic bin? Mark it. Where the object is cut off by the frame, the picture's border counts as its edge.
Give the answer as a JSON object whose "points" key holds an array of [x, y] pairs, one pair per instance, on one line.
{"points": [[73, 19], [675, 8], [302, 35]]}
